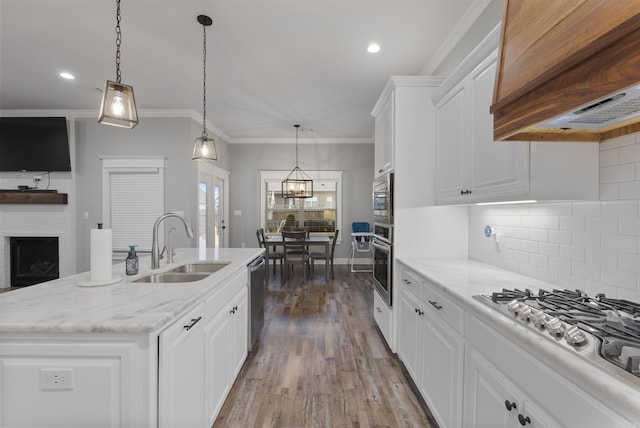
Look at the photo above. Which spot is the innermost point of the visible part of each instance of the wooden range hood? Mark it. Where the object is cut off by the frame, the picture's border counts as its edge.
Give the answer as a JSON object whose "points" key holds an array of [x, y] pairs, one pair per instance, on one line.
{"points": [[557, 55]]}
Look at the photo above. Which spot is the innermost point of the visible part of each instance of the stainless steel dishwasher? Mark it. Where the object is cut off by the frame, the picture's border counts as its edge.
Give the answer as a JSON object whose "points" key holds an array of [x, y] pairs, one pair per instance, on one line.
{"points": [[257, 269]]}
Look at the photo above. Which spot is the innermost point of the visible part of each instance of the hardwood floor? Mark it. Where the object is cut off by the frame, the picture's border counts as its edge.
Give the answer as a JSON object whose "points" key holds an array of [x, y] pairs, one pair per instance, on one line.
{"points": [[321, 362]]}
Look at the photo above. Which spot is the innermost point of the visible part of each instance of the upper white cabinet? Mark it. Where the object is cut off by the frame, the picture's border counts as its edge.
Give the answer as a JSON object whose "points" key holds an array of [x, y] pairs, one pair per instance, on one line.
{"points": [[383, 137], [471, 167]]}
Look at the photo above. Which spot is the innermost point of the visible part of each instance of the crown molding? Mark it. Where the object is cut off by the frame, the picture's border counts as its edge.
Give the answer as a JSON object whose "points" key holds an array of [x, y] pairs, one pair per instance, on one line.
{"points": [[456, 34], [405, 82]]}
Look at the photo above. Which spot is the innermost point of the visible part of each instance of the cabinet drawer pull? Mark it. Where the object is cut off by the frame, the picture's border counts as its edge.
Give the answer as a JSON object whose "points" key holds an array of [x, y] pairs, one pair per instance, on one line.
{"points": [[509, 405], [523, 419], [194, 321], [435, 304], [233, 310], [378, 309]]}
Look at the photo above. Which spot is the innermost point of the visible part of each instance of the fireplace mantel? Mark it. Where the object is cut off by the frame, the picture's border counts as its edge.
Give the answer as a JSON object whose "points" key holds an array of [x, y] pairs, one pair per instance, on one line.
{"points": [[13, 197]]}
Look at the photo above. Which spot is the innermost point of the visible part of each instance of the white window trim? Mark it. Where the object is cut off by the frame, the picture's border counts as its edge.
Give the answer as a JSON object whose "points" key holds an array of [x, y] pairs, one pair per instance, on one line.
{"points": [[315, 175]]}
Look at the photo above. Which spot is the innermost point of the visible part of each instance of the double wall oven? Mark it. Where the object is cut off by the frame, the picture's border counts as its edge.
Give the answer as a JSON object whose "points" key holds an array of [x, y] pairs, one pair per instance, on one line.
{"points": [[382, 244]]}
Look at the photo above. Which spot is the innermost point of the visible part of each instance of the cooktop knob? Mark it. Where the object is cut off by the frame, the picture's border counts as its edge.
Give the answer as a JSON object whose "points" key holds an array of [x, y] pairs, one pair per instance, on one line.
{"points": [[514, 307], [575, 336], [541, 319], [526, 313], [556, 327]]}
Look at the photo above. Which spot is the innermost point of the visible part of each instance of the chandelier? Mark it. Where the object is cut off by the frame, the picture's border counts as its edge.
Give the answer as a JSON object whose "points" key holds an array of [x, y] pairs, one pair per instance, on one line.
{"points": [[298, 184]]}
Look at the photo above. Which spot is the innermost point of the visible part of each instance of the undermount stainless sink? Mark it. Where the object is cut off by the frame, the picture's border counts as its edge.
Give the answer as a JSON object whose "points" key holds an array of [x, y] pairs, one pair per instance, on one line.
{"points": [[172, 277], [208, 267]]}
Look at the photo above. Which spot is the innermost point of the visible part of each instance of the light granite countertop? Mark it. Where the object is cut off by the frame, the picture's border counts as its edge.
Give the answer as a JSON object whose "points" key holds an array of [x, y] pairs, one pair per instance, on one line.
{"points": [[462, 279], [62, 306]]}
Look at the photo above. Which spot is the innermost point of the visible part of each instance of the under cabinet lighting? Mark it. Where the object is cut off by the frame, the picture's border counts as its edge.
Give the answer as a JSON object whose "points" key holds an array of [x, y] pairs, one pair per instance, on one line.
{"points": [[507, 202], [67, 76]]}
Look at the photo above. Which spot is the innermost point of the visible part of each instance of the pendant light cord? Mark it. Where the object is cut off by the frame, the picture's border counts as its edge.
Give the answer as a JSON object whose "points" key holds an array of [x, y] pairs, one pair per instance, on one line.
{"points": [[204, 81], [118, 40], [297, 128]]}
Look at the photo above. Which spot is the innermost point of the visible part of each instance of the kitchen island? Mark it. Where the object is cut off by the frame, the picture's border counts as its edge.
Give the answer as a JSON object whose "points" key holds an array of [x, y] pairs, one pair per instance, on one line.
{"points": [[477, 366], [128, 354]]}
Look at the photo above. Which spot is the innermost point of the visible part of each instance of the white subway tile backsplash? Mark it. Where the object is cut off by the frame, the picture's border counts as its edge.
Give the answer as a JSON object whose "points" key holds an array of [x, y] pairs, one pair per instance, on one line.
{"points": [[618, 173], [609, 157], [629, 226], [587, 209], [560, 237], [561, 209], [551, 250], [529, 246], [528, 270], [602, 258], [585, 271], [602, 225], [539, 235], [547, 275], [629, 190], [559, 265], [619, 208], [620, 243], [578, 224], [629, 262], [538, 260], [629, 153], [634, 296], [609, 191], [549, 222], [619, 278], [585, 239], [570, 252], [571, 282]]}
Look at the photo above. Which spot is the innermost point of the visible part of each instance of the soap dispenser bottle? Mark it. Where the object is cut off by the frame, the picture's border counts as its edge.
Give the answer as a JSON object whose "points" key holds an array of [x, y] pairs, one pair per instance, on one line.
{"points": [[132, 261]]}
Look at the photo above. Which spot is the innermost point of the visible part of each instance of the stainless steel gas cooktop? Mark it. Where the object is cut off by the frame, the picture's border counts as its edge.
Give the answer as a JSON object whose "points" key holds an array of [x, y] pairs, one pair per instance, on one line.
{"points": [[602, 330]]}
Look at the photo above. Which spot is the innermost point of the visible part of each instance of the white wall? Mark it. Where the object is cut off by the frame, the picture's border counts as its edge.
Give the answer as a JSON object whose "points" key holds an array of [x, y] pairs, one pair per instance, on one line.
{"points": [[594, 245]]}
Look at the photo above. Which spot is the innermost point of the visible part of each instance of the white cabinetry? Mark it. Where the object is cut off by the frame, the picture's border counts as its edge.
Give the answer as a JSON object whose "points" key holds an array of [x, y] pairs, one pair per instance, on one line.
{"points": [[431, 346], [472, 167], [382, 316], [181, 385], [384, 138], [506, 386], [226, 332]]}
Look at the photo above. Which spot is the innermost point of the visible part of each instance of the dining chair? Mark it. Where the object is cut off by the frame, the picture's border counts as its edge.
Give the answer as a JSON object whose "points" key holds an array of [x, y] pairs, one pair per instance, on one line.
{"points": [[327, 256], [270, 254], [295, 252]]}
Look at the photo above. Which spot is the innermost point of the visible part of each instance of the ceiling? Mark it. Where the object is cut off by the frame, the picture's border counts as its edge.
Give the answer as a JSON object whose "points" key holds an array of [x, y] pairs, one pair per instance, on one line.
{"points": [[270, 63]]}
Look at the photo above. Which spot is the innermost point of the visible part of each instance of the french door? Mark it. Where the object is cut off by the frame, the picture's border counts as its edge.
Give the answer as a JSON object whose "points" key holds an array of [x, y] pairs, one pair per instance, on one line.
{"points": [[213, 188]]}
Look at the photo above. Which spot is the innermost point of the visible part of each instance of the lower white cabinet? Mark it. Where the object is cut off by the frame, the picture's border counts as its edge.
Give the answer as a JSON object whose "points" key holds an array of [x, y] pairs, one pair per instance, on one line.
{"points": [[507, 387], [181, 383], [382, 315], [225, 335], [431, 350]]}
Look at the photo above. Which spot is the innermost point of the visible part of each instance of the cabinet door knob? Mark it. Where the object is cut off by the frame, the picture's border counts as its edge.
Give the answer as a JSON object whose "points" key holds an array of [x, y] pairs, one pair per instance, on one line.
{"points": [[378, 309], [435, 304], [523, 419], [194, 321], [509, 405]]}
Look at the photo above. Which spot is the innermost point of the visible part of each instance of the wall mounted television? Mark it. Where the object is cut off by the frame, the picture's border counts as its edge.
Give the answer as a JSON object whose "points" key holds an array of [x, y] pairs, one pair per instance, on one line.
{"points": [[37, 144]]}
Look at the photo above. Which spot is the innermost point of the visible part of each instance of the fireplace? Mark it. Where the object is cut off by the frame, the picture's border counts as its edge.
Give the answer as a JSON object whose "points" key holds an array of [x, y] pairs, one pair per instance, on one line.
{"points": [[33, 260]]}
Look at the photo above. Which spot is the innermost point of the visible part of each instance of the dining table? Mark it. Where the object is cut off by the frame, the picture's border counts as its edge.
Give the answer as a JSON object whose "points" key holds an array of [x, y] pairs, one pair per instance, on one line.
{"points": [[311, 240]]}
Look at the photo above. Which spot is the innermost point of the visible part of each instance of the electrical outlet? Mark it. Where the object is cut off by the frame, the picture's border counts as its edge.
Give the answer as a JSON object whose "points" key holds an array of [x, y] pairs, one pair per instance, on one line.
{"points": [[56, 379], [37, 178]]}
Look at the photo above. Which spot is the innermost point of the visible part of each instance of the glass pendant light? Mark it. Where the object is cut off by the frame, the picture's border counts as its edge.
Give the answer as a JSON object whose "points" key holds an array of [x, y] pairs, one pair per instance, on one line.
{"points": [[204, 147], [298, 184], [118, 107]]}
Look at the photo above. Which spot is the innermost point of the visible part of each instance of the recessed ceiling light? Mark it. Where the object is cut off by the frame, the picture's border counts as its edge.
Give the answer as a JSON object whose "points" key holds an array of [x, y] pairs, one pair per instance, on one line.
{"points": [[373, 48], [67, 76]]}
